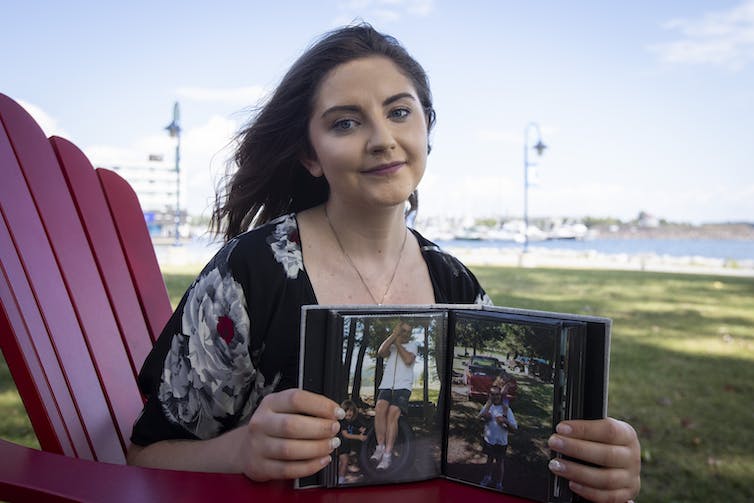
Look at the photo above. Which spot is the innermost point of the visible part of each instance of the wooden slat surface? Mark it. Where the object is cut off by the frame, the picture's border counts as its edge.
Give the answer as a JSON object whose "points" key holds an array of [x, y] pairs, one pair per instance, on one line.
{"points": [[31, 373], [65, 281], [29, 324], [137, 245], [27, 475], [94, 213]]}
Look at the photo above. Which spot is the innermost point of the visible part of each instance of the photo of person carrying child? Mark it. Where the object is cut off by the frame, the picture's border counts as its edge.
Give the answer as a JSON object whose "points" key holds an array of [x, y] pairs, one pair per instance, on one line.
{"points": [[498, 420], [352, 433], [395, 390]]}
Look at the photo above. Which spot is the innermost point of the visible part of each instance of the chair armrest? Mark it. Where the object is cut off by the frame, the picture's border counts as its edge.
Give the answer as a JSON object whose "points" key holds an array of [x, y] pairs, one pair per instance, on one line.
{"points": [[31, 475]]}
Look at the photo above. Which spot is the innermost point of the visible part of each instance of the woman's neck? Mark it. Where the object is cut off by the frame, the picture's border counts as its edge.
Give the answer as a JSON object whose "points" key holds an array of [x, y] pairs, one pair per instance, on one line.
{"points": [[370, 233]]}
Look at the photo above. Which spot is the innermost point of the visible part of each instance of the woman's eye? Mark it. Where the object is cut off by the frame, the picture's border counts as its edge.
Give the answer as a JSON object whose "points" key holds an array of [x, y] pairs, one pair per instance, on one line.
{"points": [[400, 113], [344, 124]]}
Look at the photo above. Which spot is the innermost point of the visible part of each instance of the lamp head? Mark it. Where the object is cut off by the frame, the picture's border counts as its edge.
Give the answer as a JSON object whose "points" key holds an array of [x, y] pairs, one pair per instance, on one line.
{"points": [[540, 147]]}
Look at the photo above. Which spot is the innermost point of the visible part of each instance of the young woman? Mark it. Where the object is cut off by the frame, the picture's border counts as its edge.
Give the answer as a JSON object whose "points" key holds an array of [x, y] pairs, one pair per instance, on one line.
{"points": [[324, 173]]}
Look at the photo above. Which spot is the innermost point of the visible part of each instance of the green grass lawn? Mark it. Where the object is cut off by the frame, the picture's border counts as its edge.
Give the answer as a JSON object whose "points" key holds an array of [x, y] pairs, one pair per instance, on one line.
{"points": [[682, 369]]}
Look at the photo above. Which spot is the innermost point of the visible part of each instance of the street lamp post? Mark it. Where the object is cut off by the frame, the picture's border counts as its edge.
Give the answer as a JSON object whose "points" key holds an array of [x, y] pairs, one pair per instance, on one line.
{"points": [[539, 147], [174, 129]]}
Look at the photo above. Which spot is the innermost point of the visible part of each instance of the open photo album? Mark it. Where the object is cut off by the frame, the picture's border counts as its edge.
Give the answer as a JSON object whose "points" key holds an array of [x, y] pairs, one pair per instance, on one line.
{"points": [[465, 392]]}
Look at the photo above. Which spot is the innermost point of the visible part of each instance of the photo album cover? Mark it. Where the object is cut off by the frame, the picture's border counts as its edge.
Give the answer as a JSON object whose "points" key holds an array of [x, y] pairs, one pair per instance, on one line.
{"points": [[464, 392]]}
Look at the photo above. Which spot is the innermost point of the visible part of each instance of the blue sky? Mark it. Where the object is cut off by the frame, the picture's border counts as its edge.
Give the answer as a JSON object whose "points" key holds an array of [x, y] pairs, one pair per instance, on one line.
{"points": [[643, 105]]}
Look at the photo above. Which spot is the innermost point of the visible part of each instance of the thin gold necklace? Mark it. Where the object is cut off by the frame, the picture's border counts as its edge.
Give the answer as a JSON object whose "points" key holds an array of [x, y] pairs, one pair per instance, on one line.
{"points": [[358, 273]]}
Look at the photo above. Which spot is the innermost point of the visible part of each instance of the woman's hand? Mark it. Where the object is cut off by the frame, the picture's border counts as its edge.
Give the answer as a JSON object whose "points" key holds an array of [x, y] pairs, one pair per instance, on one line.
{"points": [[610, 444], [290, 435]]}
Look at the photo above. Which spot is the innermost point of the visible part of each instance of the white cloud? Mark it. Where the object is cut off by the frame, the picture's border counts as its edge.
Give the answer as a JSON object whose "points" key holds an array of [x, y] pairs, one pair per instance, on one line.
{"points": [[234, 95], [204, 152], [207, 150], [724, 38], [383, 11], [47, 122]]}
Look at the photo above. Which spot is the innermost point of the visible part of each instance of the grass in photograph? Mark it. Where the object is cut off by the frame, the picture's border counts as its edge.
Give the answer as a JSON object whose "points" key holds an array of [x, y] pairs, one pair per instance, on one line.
{"points": [[682, 369]]}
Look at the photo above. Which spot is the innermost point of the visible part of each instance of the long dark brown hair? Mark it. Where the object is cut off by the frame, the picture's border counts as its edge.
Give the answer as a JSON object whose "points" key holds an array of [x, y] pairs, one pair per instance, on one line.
{"points": [[270, 180]]}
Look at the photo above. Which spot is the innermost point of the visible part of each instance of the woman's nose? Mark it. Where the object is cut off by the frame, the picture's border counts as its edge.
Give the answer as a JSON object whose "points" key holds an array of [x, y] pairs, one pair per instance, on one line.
{"points": [[382, 138]]}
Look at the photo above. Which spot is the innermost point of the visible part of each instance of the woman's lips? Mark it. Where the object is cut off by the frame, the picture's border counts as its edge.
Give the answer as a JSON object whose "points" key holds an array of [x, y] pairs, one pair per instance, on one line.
{"points": [[385, 169]]}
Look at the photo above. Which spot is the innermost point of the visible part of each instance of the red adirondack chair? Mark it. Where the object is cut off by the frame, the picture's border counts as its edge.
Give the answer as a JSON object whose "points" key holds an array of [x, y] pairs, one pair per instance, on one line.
{"points": [[81, 302]]}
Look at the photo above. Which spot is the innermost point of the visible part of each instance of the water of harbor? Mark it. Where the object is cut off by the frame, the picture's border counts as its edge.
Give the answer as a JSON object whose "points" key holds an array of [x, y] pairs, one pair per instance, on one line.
{"points": [[725, 252], [724, 249]]}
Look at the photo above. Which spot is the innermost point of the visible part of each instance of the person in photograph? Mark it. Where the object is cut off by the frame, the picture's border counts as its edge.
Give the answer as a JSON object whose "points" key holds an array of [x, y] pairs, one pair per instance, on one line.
{"points": [[508, 385], [395, 388], [314, 212], [352, 434], [499, 420]]}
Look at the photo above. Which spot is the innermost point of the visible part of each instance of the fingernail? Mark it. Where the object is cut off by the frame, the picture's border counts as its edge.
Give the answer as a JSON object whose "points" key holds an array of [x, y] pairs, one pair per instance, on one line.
{"points": [[555, 442], [575, 487], [340, 413], [326, 460], [334, 442], [335, 428], [556, 466], [564, 429]]}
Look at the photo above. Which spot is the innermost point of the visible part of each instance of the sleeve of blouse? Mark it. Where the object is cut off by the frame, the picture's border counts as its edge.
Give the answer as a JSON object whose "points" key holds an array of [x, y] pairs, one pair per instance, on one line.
{"points": [[201, 377]]}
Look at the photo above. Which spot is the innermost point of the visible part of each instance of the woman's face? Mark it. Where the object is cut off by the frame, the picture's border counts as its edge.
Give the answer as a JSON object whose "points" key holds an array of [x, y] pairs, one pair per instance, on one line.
{"points": [[368, 131]]}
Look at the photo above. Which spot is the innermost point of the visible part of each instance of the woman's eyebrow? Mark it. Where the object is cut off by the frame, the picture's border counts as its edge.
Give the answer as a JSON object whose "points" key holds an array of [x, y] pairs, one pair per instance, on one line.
{"points": [[356, 108], [397, 97], [341, 108]]}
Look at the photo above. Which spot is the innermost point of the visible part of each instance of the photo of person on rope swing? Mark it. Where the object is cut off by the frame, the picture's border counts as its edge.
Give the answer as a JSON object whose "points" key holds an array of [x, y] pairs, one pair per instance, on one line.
{"points": [[390, 374]]}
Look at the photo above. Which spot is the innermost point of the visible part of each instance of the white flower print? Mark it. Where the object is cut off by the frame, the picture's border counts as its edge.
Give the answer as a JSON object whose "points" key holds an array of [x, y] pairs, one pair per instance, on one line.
{"points": [[286, 245], [483, 299], [209, 374]]}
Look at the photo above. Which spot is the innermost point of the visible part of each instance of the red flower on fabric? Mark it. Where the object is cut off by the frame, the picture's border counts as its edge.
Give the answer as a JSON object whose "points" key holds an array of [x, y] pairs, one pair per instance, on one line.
{"points": [[225, 329], [293, 236]]}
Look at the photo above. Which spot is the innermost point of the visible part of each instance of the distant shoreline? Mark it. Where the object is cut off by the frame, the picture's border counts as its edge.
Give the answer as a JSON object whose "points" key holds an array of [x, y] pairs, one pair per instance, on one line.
{"points": [[192, 255], [735, 231], [573, 259]]}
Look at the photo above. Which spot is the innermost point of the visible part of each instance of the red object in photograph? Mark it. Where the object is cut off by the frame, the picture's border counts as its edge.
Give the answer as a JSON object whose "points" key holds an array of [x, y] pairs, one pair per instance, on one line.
{"points": [[482, 372]]}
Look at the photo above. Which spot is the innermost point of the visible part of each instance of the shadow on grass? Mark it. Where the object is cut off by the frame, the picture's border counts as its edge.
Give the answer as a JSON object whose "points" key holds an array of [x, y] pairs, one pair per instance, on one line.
{"points": [[682, 368], [693, 414]]}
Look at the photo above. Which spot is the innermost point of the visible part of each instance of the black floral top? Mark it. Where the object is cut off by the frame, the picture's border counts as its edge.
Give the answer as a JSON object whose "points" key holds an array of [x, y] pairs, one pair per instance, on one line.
{"points": [[235, 335]]}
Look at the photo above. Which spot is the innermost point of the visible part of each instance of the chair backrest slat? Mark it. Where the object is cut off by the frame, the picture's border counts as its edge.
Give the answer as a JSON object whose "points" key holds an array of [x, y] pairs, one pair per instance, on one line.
{"points": [[35, 279], [81, 283], [34, 366], [94, 213], [137, 246]]}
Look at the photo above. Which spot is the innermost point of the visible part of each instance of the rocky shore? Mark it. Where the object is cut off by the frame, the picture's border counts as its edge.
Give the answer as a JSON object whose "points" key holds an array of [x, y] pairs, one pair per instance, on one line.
{"points": [[543, 257], [743, 231]]}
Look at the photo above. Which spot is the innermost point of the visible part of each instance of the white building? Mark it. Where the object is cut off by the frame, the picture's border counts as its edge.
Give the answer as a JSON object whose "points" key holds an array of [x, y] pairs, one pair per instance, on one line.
{"points": [[155, 185]]}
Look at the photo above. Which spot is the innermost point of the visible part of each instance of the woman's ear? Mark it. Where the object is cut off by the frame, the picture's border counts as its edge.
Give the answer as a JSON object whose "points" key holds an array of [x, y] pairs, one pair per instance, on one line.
{"points": [[312, 165]]}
